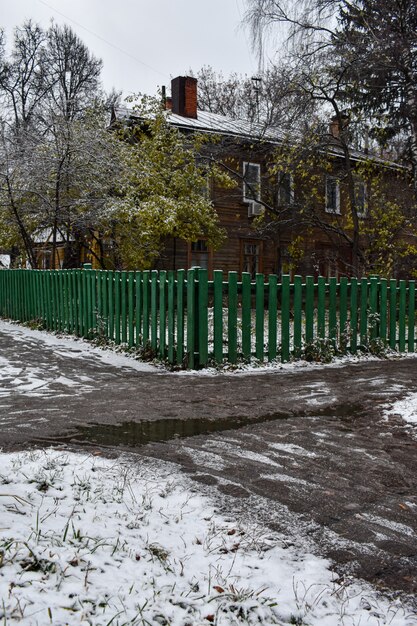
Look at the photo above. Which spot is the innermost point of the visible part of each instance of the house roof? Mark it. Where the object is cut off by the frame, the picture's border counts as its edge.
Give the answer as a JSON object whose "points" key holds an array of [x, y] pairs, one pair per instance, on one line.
{"points": [[214, 123], [207, 122]]}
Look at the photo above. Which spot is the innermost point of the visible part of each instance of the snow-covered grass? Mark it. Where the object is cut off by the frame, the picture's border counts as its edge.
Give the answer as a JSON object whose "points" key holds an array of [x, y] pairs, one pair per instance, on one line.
{"points": [[84, 540]]}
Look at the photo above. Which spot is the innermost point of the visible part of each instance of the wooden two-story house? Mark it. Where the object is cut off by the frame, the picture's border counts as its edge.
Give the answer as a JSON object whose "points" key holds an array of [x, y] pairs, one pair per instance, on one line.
{"points": [[276, 220]]}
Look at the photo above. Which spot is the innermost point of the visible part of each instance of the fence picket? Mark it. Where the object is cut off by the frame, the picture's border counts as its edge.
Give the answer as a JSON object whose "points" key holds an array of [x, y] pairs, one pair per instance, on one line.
{"points": [[333, 310], [162, 314], [285, 319], [180, 316], [272, 315], [298, 286], [131, 308], [309, 309], [383, 310], [154, 311], [171, 317], [353, 315], [203, 317], [393, 314], [218, 315], [260, 317], [321, 307], [343, 313], [138, 308], [411, 315], [146, 308], [401, 315], [191, 318], [232, 318]]}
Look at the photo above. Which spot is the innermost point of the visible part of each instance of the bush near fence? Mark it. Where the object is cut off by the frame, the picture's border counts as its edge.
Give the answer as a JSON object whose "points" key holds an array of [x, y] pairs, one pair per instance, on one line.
{"points": [[185, 319]]}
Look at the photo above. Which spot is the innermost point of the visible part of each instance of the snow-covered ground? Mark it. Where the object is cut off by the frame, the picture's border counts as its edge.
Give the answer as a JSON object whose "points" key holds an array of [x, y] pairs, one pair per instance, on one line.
{"points": [[66, 345], [84, 540], [407, 408]]}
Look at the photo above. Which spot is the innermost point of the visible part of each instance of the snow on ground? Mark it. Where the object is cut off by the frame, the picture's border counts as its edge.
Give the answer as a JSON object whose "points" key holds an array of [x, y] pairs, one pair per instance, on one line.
{"points": [[21, 373], [67, 345], [84, 540], [407, 408]]}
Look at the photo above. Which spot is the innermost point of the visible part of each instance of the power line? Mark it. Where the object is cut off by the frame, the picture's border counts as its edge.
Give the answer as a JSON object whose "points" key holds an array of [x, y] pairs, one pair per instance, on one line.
{"points": [[109, 43]]}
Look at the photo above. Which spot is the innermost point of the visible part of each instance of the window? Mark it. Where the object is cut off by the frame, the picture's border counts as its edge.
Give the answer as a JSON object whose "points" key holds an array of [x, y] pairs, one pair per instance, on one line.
{"points": [[332, 195], [251, 182], [251, 257], [285, 189], [361, 203], [199, 254], [205, 173]]}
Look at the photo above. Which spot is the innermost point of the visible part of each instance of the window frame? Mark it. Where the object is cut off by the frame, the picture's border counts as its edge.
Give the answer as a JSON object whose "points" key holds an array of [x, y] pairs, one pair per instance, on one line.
{"points": [[253, 197], [260, 244], [362, 214], [282, 189], [209, 253], [328, 209]]}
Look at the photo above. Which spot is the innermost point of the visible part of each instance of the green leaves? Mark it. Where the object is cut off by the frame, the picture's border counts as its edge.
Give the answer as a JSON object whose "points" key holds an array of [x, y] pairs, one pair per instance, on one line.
{"points": [[163, 188]]}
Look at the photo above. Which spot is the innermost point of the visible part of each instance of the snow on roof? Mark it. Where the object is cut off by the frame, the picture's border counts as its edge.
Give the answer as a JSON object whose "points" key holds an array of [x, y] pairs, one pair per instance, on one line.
{"points": [[215, 123], [207, 122], [5, 260], [45, 235]]}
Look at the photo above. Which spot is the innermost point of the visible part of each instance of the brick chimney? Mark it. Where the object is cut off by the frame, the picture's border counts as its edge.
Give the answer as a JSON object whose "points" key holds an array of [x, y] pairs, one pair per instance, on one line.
{"points": [[338, 124], [184, 96]]}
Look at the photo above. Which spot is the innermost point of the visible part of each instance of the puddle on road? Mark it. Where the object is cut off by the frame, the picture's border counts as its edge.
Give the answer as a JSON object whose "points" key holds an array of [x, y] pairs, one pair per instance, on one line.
{"points": [[146, 431], [134, 434]]}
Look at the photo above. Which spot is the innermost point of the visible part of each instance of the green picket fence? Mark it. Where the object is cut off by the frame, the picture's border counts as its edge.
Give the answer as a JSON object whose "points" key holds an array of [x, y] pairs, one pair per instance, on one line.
{"points": [[187, 320]]}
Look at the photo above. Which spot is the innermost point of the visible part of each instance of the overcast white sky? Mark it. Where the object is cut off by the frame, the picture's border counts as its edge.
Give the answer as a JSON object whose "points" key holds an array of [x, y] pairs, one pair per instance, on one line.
{"points": [[145, 43]]}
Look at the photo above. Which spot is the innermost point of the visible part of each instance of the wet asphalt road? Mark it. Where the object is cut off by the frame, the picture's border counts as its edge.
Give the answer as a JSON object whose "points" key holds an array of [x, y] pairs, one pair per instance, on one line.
{"points": [[308, 452]]}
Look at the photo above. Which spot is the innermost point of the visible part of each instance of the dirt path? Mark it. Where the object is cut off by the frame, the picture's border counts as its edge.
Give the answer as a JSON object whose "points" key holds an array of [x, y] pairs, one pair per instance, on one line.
{"points": [[307, 451]]}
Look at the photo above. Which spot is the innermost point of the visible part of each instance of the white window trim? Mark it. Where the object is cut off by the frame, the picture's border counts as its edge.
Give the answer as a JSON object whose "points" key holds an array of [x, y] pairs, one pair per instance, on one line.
{"points": [[328, 209], [258, 183], [291, 187]]}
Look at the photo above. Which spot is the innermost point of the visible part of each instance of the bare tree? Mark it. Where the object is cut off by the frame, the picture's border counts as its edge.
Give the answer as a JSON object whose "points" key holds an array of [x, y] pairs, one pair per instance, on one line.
{"points": [[53, 122]]}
